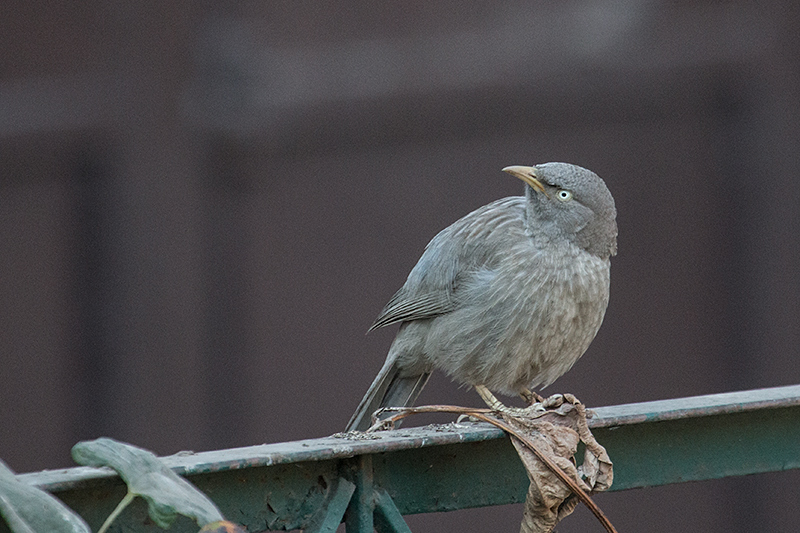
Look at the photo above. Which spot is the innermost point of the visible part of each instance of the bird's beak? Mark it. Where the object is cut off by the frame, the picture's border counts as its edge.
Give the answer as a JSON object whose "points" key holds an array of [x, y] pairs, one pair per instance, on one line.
{"points": [[526, 174]]}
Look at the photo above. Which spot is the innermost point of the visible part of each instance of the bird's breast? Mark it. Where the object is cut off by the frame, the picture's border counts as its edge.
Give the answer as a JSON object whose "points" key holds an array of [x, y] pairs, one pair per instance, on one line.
{"points": [[555, 314], [525, 320]]}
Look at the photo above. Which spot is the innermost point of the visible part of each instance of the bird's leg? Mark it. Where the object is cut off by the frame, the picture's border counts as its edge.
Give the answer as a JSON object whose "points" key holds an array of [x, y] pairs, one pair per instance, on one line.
{"points": [[491, 401], [496, 405], [530, 397]]}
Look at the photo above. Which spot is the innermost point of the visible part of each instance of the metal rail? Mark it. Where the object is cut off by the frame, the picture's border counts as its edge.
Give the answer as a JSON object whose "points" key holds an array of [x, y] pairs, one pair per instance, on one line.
{"points": [[315, 484]]}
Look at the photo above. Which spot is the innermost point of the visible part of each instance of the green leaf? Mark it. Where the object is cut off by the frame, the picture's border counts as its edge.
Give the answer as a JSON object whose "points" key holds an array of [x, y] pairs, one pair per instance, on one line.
{"points": [[28, 509], [167, 494]]}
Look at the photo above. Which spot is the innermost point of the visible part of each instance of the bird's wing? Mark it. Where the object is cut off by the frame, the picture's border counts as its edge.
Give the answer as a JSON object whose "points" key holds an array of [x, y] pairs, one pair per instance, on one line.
{"points": [[463, 248], [404, 307]]}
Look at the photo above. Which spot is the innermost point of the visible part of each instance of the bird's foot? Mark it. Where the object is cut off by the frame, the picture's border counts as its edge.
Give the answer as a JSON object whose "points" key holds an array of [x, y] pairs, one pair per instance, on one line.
{"points": [[530, 397], [534, 409]]}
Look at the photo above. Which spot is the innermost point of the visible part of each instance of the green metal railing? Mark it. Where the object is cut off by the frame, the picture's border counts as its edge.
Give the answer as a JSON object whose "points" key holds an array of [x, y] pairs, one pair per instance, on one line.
{"points": [[370, 483]]}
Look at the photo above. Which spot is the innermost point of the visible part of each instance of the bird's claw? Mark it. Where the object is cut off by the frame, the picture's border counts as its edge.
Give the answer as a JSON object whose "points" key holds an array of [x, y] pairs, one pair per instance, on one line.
{"points": [[530, 397]]}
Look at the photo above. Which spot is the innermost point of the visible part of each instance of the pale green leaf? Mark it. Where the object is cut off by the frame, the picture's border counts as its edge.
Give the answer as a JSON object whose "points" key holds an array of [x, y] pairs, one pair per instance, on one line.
{"points": [[167, 494], [28, 509]]}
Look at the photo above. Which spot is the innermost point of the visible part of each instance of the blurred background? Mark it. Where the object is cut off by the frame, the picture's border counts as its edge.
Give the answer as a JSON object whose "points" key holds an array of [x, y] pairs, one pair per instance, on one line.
{"points": [[204, 205]]}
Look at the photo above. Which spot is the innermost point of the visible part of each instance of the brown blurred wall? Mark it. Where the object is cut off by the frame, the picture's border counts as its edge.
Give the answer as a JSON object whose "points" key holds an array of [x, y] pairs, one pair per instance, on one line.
{"points": [[204, 205]]}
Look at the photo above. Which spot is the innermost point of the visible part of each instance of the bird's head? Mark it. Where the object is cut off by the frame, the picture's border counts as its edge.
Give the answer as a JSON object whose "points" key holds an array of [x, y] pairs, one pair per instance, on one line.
{"points": [[570, 202]]}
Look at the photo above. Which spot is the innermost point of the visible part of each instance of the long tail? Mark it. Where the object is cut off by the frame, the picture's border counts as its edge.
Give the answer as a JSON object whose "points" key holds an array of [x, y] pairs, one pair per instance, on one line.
{"points": [[387, 390]]}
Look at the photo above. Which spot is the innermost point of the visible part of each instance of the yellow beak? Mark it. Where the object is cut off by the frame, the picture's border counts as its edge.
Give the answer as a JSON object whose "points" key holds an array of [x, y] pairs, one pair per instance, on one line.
{"points": [[526, 174]]}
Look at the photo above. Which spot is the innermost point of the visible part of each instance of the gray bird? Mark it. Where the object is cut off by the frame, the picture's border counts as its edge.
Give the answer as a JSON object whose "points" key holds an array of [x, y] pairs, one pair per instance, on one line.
{"points": [[508, 297]]}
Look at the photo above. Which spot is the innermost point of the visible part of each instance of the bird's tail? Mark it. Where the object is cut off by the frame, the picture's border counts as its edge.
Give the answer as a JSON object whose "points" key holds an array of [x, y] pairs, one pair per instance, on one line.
{"points": [[387, 390]]}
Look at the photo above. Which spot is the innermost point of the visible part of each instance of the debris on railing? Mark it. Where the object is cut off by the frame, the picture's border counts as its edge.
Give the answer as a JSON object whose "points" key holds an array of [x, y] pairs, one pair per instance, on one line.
{"points": [[546, 437]]}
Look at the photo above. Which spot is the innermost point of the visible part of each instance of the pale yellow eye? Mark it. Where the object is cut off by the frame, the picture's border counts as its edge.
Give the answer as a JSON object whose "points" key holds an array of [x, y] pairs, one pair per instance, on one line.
{"points": [[564, 195]]}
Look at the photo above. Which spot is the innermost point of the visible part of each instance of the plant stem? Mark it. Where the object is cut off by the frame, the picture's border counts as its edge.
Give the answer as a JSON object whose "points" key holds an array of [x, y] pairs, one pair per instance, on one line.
{"points": [[114, 514]]}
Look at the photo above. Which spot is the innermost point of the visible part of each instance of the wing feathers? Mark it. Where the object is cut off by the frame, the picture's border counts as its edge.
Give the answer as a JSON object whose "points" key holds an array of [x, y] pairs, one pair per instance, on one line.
{"points": [[402, 309], [450, 258]]}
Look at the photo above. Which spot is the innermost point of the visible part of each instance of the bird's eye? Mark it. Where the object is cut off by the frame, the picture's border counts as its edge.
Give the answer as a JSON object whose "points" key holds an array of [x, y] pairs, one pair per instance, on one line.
{"points": [[564, 195]]}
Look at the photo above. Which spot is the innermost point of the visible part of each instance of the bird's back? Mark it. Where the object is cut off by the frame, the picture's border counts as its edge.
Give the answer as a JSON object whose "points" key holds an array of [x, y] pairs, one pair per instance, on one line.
{"points": [[475, 241]]}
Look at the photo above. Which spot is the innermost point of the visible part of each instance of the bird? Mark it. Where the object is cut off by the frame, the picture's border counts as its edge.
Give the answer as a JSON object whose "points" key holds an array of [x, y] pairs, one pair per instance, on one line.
{"points": [[506, 298]]}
